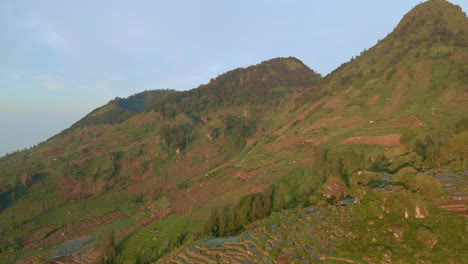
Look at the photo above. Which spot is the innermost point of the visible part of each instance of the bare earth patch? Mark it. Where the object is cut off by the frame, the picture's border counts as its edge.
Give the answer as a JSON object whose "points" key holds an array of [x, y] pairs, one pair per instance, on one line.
{"points": [[385, 140], [405, 121], [334, 103], [348, 90], [455, 99], [397, 94], [354, 121], [324, 122], [422, 72], [374, 99], [456, 206], [317, 140], [299, 118], [306, 160], [245, 175]]}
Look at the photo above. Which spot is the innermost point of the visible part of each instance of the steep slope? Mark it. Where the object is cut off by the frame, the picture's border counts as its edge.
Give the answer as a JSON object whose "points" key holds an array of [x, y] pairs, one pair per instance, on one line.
{"points": [[161, 169], [126, 157], [121, 109], [410, 85], [401, 103]]}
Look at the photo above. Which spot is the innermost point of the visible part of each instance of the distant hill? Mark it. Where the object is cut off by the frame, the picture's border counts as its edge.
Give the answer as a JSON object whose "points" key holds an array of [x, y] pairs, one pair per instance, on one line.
{"points": [[271, 163]]}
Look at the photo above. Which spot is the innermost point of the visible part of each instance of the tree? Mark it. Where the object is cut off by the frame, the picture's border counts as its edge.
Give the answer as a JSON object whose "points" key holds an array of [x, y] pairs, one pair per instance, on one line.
{"points": [[108, 248]]}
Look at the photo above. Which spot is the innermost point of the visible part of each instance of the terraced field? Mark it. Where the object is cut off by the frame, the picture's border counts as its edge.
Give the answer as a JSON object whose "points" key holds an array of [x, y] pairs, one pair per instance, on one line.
{"points": [[308, 237], [70, 232], [368, 231], [456, 184], [142, 223], [157, 236]]}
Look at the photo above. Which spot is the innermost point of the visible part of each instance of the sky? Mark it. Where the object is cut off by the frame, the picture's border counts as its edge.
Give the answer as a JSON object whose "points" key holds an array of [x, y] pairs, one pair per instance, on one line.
{"points": [[62, 59]]}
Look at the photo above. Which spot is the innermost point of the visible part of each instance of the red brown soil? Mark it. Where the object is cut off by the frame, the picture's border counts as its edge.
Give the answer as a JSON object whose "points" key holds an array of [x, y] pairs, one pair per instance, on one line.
{"points": [[54, 152], [70, 188], [348, 90], [219, 167], [135, 163], [461, 57], [291, 144], [70, 232], [299, 118], [298, 93], [256, 188], [385, 140], [185, 200], [422, 73], [456, 206], [334, 103], [334, 188], [36, 236], [455, 99], [283, 259], [397, 94], [73, 189], [354, 121], [316, 140], [141, 176], [245, 175], [77, 162], [373, 99], [324, 122], [407, 120], [250, 142]]}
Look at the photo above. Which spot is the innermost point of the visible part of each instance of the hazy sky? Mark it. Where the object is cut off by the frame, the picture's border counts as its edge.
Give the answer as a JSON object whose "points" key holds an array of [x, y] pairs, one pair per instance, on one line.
{"points": [[61, 59]]}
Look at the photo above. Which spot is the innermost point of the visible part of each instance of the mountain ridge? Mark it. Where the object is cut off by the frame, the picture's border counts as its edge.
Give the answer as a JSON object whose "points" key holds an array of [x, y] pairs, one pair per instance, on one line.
{"points": [[272, 141]]}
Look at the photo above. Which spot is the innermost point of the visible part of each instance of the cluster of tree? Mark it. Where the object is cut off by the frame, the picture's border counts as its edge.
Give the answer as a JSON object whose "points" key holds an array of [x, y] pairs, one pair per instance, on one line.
{"points": [[107, 248], [9, 193], [121, 109], [232, 219], [240, 126], [253, 85], [143, 100], [292, 190], [177, 136]]}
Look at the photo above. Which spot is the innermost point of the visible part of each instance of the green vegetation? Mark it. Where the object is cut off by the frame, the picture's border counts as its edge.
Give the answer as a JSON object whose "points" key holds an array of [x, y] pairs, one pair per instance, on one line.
{"points": [[366, 164]]}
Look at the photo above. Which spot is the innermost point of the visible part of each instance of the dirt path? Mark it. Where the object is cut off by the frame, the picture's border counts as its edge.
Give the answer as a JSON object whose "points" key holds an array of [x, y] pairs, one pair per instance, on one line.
{"points": [[385, 140], [397, 94], [324, 122], [299, 118], [422, 74]]}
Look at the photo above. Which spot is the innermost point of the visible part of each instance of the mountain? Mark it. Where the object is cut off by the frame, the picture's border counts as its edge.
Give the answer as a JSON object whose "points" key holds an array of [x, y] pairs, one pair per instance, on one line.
{"points": [[269, 163]]}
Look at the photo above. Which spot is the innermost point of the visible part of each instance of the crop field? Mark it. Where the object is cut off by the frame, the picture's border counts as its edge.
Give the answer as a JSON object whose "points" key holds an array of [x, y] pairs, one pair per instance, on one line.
{"points": [[309, 238], [74, 231], [328, 234], [156, 236], [456, 184]]}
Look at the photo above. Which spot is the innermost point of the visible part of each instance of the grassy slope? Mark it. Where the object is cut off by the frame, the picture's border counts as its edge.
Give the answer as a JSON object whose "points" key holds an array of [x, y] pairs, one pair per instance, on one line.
{"points": [[409, 84]]}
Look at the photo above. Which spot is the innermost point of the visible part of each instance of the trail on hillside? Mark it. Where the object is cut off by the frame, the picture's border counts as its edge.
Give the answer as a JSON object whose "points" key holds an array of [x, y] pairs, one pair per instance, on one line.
{"points": [[299, 118]]}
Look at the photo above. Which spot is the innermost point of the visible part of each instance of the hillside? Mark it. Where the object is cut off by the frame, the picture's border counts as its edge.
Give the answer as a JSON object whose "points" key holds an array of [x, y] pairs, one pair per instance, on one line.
{"points": [[269, 163]]}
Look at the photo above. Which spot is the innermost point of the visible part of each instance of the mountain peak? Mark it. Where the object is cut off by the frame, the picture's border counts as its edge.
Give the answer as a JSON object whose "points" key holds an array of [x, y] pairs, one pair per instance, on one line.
{"points": [[292, 63], [282, 71], [431, 17]]}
